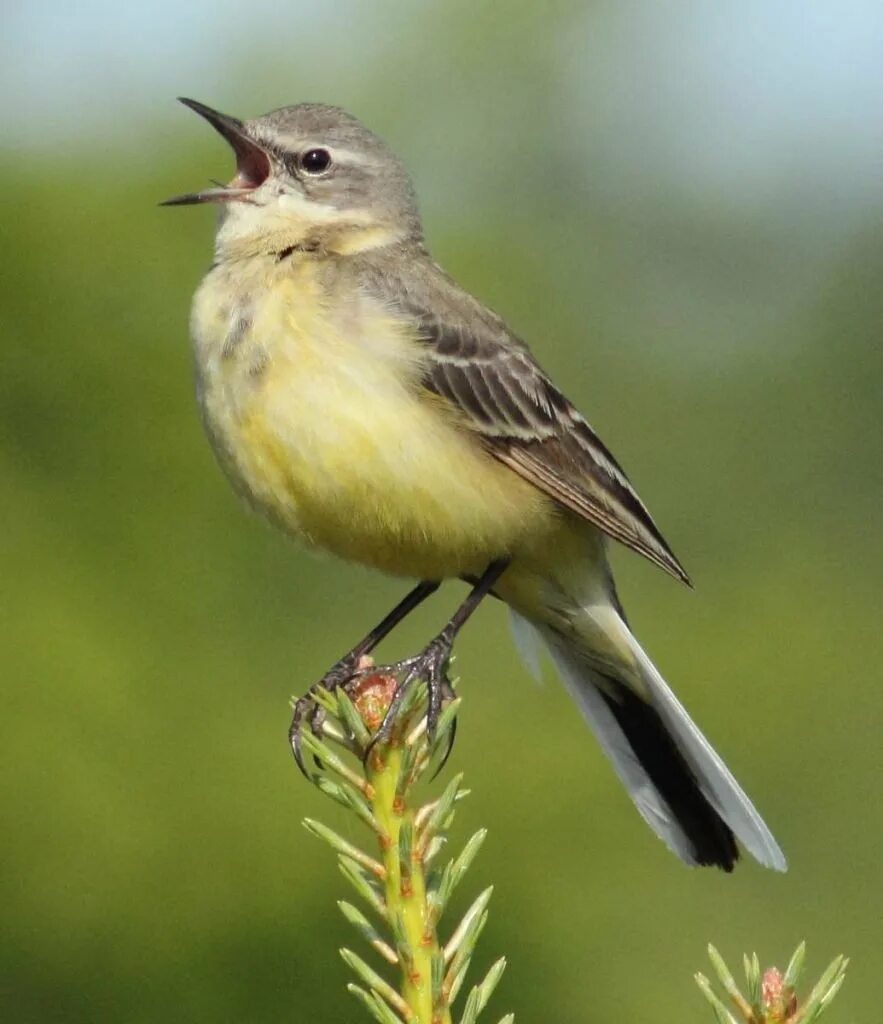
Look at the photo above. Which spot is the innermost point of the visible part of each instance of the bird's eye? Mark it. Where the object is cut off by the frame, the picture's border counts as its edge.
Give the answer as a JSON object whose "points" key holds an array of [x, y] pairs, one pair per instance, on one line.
{"points": [[315, 161]]}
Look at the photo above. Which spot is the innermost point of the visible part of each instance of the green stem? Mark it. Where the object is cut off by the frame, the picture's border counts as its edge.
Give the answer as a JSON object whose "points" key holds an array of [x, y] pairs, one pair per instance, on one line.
{"points": [[405, 883]]}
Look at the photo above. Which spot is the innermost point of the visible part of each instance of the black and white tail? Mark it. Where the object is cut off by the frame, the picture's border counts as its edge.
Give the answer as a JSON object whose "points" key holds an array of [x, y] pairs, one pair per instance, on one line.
{"points": [[681, 787]]}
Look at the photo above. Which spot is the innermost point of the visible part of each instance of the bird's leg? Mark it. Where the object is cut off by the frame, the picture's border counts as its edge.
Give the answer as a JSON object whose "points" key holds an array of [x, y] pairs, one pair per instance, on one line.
{"points": [[344, 669], [341, 671], [431, 664]]}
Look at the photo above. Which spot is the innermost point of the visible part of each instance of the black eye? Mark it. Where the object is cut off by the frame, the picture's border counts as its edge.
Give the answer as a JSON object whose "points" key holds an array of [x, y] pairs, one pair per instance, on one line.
{"points": [[315, 161]]}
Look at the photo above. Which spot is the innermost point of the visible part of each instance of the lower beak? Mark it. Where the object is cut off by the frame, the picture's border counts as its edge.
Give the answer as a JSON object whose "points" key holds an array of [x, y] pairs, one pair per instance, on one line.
{"points": [[207, 195], [252, 161]]}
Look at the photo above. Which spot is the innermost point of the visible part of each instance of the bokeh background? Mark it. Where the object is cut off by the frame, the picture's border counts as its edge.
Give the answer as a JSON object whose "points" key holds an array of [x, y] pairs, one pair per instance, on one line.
{"points": [[679, 206]]}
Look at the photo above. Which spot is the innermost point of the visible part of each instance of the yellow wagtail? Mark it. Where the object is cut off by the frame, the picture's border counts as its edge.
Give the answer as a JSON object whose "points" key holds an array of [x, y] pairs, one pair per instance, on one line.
{"points": [[361, 400]]}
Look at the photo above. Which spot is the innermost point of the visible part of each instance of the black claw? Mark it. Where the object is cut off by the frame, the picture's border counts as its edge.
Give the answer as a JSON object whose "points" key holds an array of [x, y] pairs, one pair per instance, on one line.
{"points": [[437, 693], [317, 720], [449, 746], [306, 707], [301, 708], [442, 692]]}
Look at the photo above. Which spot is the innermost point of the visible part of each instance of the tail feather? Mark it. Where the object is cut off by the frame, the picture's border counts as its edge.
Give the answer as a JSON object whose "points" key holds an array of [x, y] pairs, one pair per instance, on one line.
{"points": [[711, 839], [678, 783], [715, 779]]}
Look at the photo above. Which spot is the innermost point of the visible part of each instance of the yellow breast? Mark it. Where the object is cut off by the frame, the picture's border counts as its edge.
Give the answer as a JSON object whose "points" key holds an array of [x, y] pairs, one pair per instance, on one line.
{"points": [[311, 399]]}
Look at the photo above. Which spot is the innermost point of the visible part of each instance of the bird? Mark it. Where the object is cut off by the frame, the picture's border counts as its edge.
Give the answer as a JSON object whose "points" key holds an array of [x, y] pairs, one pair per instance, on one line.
{"points": [[362, 401]]}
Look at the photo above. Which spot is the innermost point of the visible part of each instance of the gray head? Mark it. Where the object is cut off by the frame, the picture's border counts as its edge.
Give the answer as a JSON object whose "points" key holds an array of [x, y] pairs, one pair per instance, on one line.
{"points": [[309, 167]]}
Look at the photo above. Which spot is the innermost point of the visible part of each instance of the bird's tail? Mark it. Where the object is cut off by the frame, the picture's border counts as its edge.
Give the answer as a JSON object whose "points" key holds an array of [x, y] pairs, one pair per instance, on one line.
{"points": [[679, 784]]}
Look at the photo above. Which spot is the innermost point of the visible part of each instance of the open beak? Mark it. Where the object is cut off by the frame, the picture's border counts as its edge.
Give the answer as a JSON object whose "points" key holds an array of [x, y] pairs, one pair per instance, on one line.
{"points": [[252, 162]]}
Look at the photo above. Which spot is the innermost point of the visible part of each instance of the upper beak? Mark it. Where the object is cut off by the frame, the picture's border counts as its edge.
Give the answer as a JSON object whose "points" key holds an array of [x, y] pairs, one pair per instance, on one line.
{"points": [[252, 161]]}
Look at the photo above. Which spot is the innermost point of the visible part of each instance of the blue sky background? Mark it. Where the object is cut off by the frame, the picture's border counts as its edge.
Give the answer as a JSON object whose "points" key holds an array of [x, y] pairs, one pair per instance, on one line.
{"points": [[740, 96]]}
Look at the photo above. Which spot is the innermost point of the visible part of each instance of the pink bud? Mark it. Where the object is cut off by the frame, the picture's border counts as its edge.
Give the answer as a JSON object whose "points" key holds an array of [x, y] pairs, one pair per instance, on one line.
{"points": [[779, 1000], [372, 696]]}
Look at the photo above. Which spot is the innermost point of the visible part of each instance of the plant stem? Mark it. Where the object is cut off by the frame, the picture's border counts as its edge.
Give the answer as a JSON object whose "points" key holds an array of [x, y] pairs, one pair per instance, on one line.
{"points": [[417, 940]]}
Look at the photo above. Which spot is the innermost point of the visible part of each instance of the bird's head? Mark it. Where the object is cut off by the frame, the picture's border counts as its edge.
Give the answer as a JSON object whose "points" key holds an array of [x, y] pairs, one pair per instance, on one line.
{"points": [[307, 175]]}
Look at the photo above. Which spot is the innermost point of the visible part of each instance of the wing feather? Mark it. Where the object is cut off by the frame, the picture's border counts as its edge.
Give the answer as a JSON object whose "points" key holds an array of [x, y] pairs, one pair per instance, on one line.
{"points": [[530, 426], [500, 392]]}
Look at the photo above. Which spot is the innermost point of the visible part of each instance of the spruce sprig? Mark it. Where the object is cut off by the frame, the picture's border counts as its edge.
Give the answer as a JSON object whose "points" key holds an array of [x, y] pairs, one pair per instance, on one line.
{"points": [[406, 893], [771, 996]]}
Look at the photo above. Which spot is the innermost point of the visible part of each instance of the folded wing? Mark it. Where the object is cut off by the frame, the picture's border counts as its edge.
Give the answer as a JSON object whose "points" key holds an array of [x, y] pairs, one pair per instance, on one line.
{"points": [[502, 394]]}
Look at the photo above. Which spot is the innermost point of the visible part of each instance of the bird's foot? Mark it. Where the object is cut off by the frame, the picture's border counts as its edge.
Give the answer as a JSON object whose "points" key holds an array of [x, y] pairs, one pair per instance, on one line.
{"points": [[352, 672], [429, 666], [308, 710]]}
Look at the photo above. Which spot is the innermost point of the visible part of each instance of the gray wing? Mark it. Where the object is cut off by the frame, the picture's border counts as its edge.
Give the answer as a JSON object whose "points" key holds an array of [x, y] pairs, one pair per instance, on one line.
{"points": [[504, 396]]}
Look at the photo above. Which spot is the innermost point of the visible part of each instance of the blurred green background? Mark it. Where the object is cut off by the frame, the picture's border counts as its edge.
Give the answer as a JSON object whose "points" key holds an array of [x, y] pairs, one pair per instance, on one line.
{"points": [[679, 206]]}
